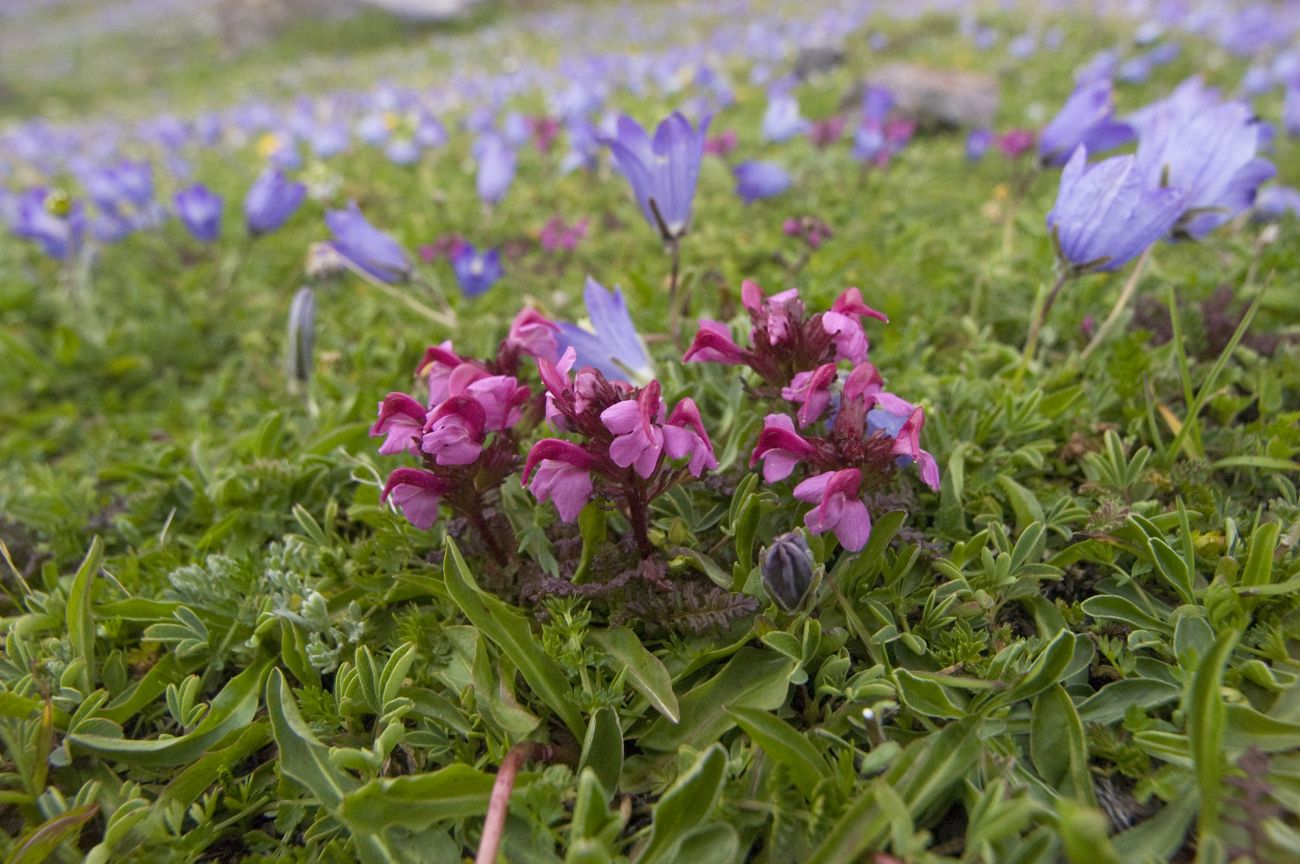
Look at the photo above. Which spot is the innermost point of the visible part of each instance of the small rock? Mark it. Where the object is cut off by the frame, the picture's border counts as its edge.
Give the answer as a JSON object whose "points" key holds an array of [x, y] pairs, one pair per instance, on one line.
{"points": [[817, 60], [940, 97]]}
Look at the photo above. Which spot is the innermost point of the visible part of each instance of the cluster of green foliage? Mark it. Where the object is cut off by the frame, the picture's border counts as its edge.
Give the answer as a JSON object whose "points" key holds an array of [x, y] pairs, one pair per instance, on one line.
{"points": [[219, 645]]}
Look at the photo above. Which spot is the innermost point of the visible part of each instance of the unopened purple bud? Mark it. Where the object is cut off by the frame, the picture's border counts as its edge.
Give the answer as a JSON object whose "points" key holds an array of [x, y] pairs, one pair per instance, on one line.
{"points": [[302, 335], [787, 570]]}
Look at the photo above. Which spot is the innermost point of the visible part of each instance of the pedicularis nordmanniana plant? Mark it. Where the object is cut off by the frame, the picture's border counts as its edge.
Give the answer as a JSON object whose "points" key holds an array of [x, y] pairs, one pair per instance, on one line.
{"points": [[622, 446]]}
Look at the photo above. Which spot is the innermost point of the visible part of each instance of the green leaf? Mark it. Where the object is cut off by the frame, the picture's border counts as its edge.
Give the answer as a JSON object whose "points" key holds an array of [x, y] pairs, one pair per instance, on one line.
{"points": [[1173, 568], [1058, 746], [686, 804], [715, 843], [80, 614], [783, 744], [303, 758], [591, 525], [1023, 502], [418, 801], [1114, 608], [1206, 719], [1111, 702], [927, 697], [507, 627], [233, 708], [602, 749], [212, 765], [44, 842], [1259, 563], [1083, 834], [1045, 671], [751, 679]]}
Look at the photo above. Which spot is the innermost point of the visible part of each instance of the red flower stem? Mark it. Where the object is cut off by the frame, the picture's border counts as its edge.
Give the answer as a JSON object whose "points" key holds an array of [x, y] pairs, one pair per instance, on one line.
{"points": [[499, 803]]}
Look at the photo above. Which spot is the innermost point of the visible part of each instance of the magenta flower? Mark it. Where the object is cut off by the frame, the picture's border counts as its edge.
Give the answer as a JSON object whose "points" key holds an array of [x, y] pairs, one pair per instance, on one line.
{"points": [[502, 397], [908, 446], [559, 236], [721, 144], [438, 363], [416, 493], [812, 390], [402, 419], [772, 314], [838, 507], [639, 437], [844, 323], [685, 436], [534, 334], [826, 132], [713, 344], [454, 432], [780, 448], [563, 475]]}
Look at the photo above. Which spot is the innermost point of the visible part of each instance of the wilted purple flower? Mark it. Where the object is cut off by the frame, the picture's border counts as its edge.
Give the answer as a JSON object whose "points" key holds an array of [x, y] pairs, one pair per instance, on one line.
{"points": [[271, 200], [496, 168], [612, 345], [366, 247], [826, 132], [200, 211], [782, 120], [51, 219], [1106, 214], [476, 271], [1212, 157], [755, 180], [662, 172], [1086, 118]]}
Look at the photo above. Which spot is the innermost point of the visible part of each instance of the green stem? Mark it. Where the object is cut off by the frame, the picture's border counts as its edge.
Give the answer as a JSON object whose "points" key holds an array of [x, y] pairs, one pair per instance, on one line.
{"points": [[1040, 317], [1121, 303]]}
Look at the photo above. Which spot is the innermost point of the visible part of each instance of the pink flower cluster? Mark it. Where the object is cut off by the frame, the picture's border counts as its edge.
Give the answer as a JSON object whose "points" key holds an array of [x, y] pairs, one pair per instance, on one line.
{"points": [[560, 236], [464, 433], [809, 229], [866, 432], [629, 443], [784, 339]]}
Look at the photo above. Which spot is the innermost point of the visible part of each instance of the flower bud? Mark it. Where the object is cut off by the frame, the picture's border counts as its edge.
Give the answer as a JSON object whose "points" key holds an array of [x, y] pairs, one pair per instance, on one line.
{"points": [[788, 570], [302, 335]]}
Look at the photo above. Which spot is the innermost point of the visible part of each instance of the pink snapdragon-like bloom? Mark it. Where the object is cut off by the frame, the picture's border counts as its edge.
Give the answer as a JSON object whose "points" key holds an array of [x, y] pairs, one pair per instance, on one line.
{"points": [[555, 378], [639, 437], [813, 391], [416, 493], [838, 507], [864, 382], [401, 419], [1015, 143], [685, 436], [844, 324], [826, 132], [770, 313], [780, 448], [501, 396], [438, 364], [563, 475], [454, 432], [559, 236], [908, 444], [721, 144], [534, 334], [713, 344]]}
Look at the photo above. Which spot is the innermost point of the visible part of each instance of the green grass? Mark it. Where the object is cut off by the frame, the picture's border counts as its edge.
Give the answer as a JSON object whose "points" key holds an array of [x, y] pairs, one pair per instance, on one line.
{"points": [[1084, 645]]}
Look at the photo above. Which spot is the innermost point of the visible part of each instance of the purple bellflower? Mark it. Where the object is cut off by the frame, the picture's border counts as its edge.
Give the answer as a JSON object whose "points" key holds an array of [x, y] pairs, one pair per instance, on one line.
{"points": [[1211, 156], [662, 172], [755, 180], [199, 210], [782, 120], [1087, 119], [367, 248], [1106, 214], [271, 200], [476, 271], [612, 345], [496, 168], [51, 219]]}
